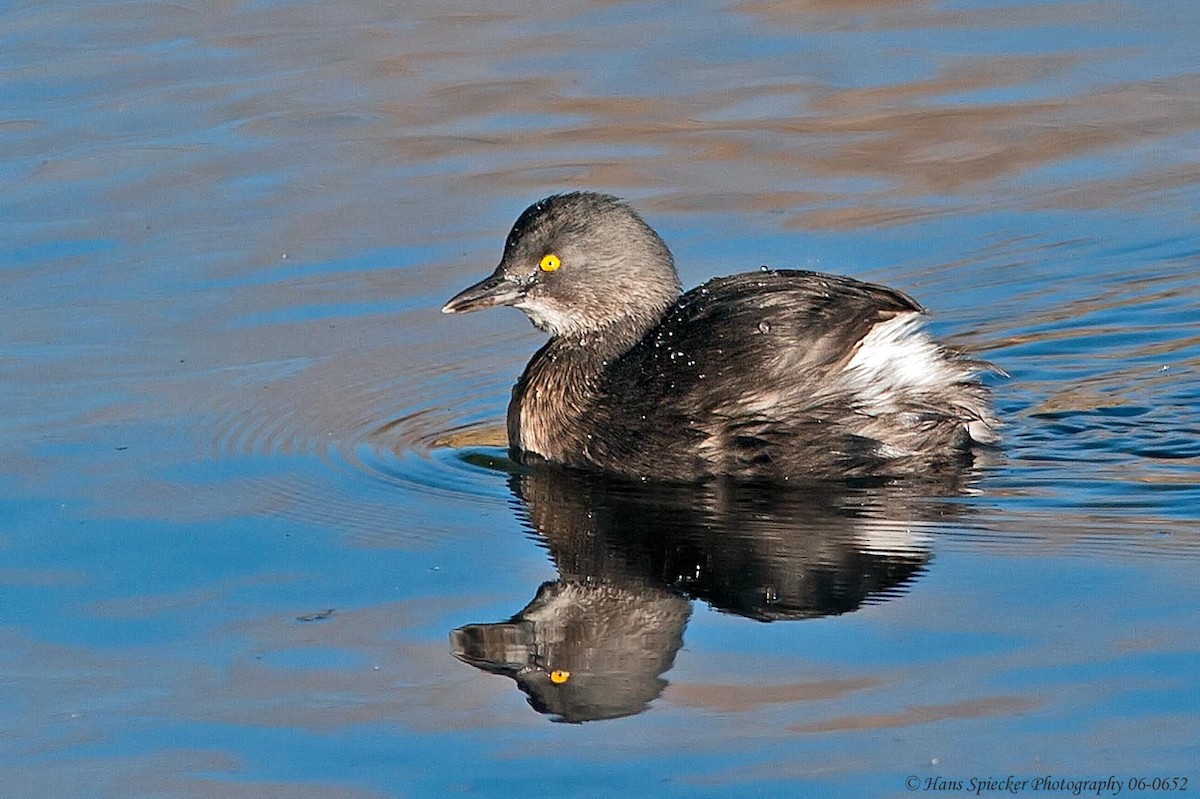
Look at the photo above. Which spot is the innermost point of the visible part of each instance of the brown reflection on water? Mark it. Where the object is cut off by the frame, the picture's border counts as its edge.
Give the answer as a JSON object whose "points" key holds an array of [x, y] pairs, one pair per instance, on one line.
{"points": [[925, 714], [743, 698], [169, 773], [844, 15], [335, 108], [910, 136]]}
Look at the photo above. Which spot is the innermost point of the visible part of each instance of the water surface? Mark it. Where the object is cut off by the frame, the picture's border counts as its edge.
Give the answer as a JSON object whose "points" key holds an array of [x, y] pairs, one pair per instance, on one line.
{"points": [[249, 482]]}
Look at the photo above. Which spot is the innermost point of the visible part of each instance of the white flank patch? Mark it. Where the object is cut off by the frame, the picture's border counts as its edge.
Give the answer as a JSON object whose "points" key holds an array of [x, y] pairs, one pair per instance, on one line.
{"points": [[898, 357]]}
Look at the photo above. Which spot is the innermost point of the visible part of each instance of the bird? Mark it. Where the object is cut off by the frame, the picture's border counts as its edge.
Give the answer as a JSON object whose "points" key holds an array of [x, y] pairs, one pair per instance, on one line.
{"points": [[771, 374]]}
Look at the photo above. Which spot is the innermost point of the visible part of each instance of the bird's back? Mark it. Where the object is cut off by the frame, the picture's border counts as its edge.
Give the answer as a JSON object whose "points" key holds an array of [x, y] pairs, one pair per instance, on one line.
{"points": [[785, 374]]}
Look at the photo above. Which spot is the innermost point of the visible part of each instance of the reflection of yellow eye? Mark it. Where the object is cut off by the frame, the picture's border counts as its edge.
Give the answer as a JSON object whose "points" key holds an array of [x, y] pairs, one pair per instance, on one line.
{"points": [[549, 264], [558, 676]]}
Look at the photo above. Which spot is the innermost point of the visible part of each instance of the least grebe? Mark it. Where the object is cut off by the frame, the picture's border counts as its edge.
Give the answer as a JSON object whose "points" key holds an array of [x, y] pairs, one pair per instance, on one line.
{"points": [[769, 374]]}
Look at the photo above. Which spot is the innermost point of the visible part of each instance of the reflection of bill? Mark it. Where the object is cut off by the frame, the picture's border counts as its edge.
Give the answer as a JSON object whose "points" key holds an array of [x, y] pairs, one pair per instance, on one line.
{"points": [[595, 643]]}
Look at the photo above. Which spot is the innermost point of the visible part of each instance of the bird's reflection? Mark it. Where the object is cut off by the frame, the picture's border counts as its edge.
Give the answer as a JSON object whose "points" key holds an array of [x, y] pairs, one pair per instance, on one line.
{"points": [[594, 643]]}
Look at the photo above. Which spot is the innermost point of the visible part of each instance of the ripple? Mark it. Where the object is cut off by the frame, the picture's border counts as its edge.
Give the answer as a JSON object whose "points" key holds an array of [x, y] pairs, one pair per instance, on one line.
{"points": [[379, 413], [354, 440], [436, 460]]}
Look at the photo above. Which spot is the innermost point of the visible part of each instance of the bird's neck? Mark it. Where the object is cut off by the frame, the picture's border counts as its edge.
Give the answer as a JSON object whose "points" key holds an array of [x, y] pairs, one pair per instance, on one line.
{"points": [[557, 389]]}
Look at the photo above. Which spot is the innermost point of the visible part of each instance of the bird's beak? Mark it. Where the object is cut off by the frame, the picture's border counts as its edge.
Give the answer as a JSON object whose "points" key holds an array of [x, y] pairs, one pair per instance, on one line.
{"points": [[496, 289]]}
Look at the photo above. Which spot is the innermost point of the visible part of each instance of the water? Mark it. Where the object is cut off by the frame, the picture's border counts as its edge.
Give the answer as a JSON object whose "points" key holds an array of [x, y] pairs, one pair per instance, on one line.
{"points": [[249, 477]]}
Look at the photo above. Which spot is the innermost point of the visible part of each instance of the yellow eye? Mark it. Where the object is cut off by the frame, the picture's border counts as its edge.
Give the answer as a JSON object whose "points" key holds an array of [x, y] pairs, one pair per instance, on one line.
{"points": [[550, 263], [558, 676]]}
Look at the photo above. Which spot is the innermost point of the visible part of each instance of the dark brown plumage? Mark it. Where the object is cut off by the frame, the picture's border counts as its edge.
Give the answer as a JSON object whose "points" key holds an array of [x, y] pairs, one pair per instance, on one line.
{"points": [[767, 374]]}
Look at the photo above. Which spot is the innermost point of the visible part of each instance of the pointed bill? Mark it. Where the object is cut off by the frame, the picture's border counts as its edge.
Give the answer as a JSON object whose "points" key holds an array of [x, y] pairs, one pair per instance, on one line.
{"points": [[496, 289]]}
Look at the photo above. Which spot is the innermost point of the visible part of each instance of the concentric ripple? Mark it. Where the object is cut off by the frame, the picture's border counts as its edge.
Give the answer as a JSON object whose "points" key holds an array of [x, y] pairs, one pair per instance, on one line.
{"points": [[352, 441]]}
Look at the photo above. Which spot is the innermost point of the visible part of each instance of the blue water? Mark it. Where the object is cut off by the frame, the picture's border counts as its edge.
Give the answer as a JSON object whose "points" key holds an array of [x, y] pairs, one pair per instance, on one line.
{"points": [[250, 479]]}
